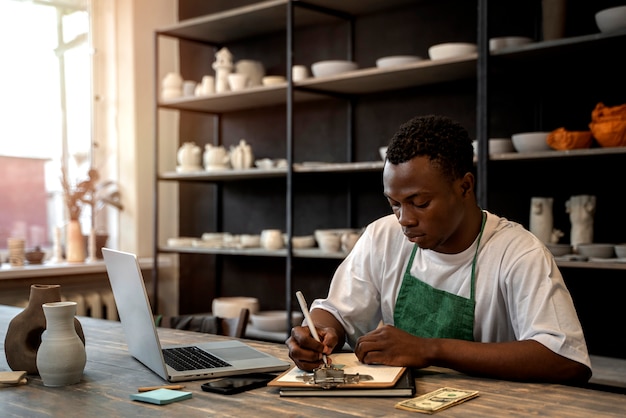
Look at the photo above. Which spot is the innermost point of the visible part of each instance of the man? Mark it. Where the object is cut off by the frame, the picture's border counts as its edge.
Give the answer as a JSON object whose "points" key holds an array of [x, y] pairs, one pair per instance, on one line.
{"points": [[454, 286]]}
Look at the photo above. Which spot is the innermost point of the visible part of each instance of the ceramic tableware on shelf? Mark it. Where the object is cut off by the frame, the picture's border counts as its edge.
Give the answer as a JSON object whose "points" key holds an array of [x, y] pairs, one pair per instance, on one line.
{"points": [[189, 158], [215, 157], [272, 239], [237, 81], [241, 156], [172, 86], [299, 73], [254, 71], [332, 67]]}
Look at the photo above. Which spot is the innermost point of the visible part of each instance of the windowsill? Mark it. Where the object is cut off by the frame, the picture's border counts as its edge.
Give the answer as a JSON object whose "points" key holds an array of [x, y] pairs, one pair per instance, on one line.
{"points": [[59, 269]]}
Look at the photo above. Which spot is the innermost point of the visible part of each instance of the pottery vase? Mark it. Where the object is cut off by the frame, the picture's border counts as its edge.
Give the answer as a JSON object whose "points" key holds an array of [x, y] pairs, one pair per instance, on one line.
{"points": [[541, 218], [74, 243], [241, 156], [23, 335], [61, 357]]}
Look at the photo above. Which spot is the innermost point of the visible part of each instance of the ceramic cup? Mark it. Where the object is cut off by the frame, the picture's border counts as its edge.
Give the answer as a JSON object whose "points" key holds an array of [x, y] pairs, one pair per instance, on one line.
{"points": [[272, 239], [299, 72], [237, 81], [189, 88]]}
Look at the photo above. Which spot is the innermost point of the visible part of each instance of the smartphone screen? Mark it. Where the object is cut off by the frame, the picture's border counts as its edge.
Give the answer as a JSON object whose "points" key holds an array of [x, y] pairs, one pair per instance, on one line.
{"points": [[237, 384]]}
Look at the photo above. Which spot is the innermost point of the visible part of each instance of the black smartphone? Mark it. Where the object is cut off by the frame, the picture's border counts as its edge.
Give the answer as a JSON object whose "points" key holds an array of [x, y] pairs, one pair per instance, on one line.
{"points": [[237, 384]]}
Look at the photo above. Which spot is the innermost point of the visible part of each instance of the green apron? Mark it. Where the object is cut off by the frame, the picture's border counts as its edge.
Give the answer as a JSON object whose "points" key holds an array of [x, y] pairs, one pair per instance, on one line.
{"points": [[425, 311]]}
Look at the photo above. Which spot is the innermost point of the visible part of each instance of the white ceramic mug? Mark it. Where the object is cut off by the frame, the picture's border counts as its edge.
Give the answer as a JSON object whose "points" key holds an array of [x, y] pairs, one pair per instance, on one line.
{"points": [[299, 72]]}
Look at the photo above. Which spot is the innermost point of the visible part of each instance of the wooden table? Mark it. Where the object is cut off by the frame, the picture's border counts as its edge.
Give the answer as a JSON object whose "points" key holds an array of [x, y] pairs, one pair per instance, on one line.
{"points": [[111, 375]]}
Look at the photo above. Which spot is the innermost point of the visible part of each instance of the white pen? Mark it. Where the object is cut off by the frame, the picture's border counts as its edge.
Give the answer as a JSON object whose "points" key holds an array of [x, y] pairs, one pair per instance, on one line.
{"points": [[307, 316]]}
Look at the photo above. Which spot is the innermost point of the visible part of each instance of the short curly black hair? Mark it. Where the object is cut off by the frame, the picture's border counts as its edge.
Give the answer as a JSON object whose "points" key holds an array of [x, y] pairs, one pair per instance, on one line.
{"points": [[444, 141]]}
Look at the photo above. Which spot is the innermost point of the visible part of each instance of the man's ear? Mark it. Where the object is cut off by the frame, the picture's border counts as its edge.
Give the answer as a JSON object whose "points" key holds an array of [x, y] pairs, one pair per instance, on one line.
{"points": [[467, 184]]}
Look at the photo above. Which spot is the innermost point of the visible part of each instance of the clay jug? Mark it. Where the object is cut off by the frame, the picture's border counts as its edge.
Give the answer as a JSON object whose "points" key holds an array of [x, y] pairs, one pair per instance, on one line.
{"points": [[61, 357], [241, 156], [23, 335]]}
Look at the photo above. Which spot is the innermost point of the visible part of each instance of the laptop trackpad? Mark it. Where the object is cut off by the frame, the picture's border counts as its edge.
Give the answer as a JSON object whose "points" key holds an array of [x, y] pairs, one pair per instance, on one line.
{"points": [[237, 353]]}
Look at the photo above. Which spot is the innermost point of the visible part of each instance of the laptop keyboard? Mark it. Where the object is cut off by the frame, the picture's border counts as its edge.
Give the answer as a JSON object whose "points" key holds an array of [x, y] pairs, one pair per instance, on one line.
{"points": [[191, 358]]}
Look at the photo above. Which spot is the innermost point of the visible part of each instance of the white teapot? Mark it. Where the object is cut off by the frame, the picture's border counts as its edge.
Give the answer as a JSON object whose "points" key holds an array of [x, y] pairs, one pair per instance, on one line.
{"points": [[241, 156], [215, 157], [188, 156]]}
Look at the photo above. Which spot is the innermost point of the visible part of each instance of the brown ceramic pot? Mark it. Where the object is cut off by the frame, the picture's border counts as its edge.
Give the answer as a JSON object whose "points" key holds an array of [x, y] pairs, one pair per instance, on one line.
{"points": [[23, 336]]}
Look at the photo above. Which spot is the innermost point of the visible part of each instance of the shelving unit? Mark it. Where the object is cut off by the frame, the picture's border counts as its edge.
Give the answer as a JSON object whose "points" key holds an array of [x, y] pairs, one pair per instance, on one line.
{"points": [[423, 77]]}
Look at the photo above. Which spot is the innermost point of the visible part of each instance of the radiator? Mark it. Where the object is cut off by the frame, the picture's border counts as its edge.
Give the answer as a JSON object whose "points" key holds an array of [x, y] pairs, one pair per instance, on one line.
{"points": [[92, 303]]}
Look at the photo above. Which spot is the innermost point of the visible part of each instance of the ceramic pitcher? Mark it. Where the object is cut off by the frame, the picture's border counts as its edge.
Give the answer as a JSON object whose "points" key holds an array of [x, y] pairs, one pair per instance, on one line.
{"points": [[241, 156]]}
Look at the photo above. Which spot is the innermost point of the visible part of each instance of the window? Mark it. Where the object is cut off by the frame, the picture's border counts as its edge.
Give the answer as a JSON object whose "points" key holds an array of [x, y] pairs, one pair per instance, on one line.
{"points": [[45, 114]]}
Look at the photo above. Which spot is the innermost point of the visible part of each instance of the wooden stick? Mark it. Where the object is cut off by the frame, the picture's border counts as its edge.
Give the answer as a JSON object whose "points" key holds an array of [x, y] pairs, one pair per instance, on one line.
{"points": [[148, 388]]}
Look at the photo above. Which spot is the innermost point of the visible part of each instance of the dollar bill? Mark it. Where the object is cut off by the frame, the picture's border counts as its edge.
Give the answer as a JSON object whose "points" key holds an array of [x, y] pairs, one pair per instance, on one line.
{"points": [[437, 400]]}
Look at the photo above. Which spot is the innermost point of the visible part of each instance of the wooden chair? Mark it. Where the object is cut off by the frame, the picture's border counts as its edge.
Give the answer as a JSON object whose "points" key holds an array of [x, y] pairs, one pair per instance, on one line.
{"points": [[208, 323]]}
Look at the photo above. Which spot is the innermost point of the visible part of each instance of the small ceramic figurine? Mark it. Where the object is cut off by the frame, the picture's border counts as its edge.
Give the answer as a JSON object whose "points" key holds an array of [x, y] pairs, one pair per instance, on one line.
{"points": [[581, 210], [241, 156], [223, 66], [189, 157]]}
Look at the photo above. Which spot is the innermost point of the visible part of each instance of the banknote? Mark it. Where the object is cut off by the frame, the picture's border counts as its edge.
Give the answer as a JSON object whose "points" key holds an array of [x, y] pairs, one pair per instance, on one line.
{"points": [[437, 400]]}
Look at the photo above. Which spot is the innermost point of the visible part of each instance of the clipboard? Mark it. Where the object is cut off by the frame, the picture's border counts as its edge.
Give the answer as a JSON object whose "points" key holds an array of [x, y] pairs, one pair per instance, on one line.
{"points": [[381, 376]]}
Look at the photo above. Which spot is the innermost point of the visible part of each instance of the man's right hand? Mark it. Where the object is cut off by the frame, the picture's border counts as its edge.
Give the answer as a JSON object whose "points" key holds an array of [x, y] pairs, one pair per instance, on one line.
{"points": [[305, 351]]}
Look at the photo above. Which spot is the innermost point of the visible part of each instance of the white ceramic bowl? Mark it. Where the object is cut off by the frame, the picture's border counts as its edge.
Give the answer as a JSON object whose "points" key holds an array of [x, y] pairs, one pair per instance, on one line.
{"points": [[274, 321], [332, 67], [508, 41], [596, 250], [272, 80], [531, 141], [611, 19], [230, 307], [396, 60], [620, 250], [305, 241], [559, 249], [451, 50], [497, 146]]}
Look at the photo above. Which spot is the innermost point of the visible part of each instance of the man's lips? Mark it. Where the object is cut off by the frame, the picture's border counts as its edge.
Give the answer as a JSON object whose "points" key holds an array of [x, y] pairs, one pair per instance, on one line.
{"points": [[412, 236]]}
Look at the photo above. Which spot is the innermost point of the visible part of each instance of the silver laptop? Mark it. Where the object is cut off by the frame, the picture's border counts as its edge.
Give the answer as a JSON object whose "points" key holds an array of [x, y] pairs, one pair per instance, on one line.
{"points": [[219, 358]]}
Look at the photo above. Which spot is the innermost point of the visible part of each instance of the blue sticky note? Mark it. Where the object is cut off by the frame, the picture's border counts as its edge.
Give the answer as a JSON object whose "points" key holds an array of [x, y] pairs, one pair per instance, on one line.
{"points": [[161, 396]]}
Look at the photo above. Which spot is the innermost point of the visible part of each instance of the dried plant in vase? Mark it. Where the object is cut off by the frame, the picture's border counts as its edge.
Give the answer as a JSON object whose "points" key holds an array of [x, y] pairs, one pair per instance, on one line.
{"points": [[90, 192]]}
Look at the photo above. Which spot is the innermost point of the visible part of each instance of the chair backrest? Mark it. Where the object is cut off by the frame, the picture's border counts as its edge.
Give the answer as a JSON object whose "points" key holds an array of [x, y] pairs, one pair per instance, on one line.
{"points": [[231, 327], [235, 327]]}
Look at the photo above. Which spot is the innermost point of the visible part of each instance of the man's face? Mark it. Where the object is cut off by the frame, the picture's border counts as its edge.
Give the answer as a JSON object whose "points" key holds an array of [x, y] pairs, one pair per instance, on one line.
{"points": [[428, 206]]}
